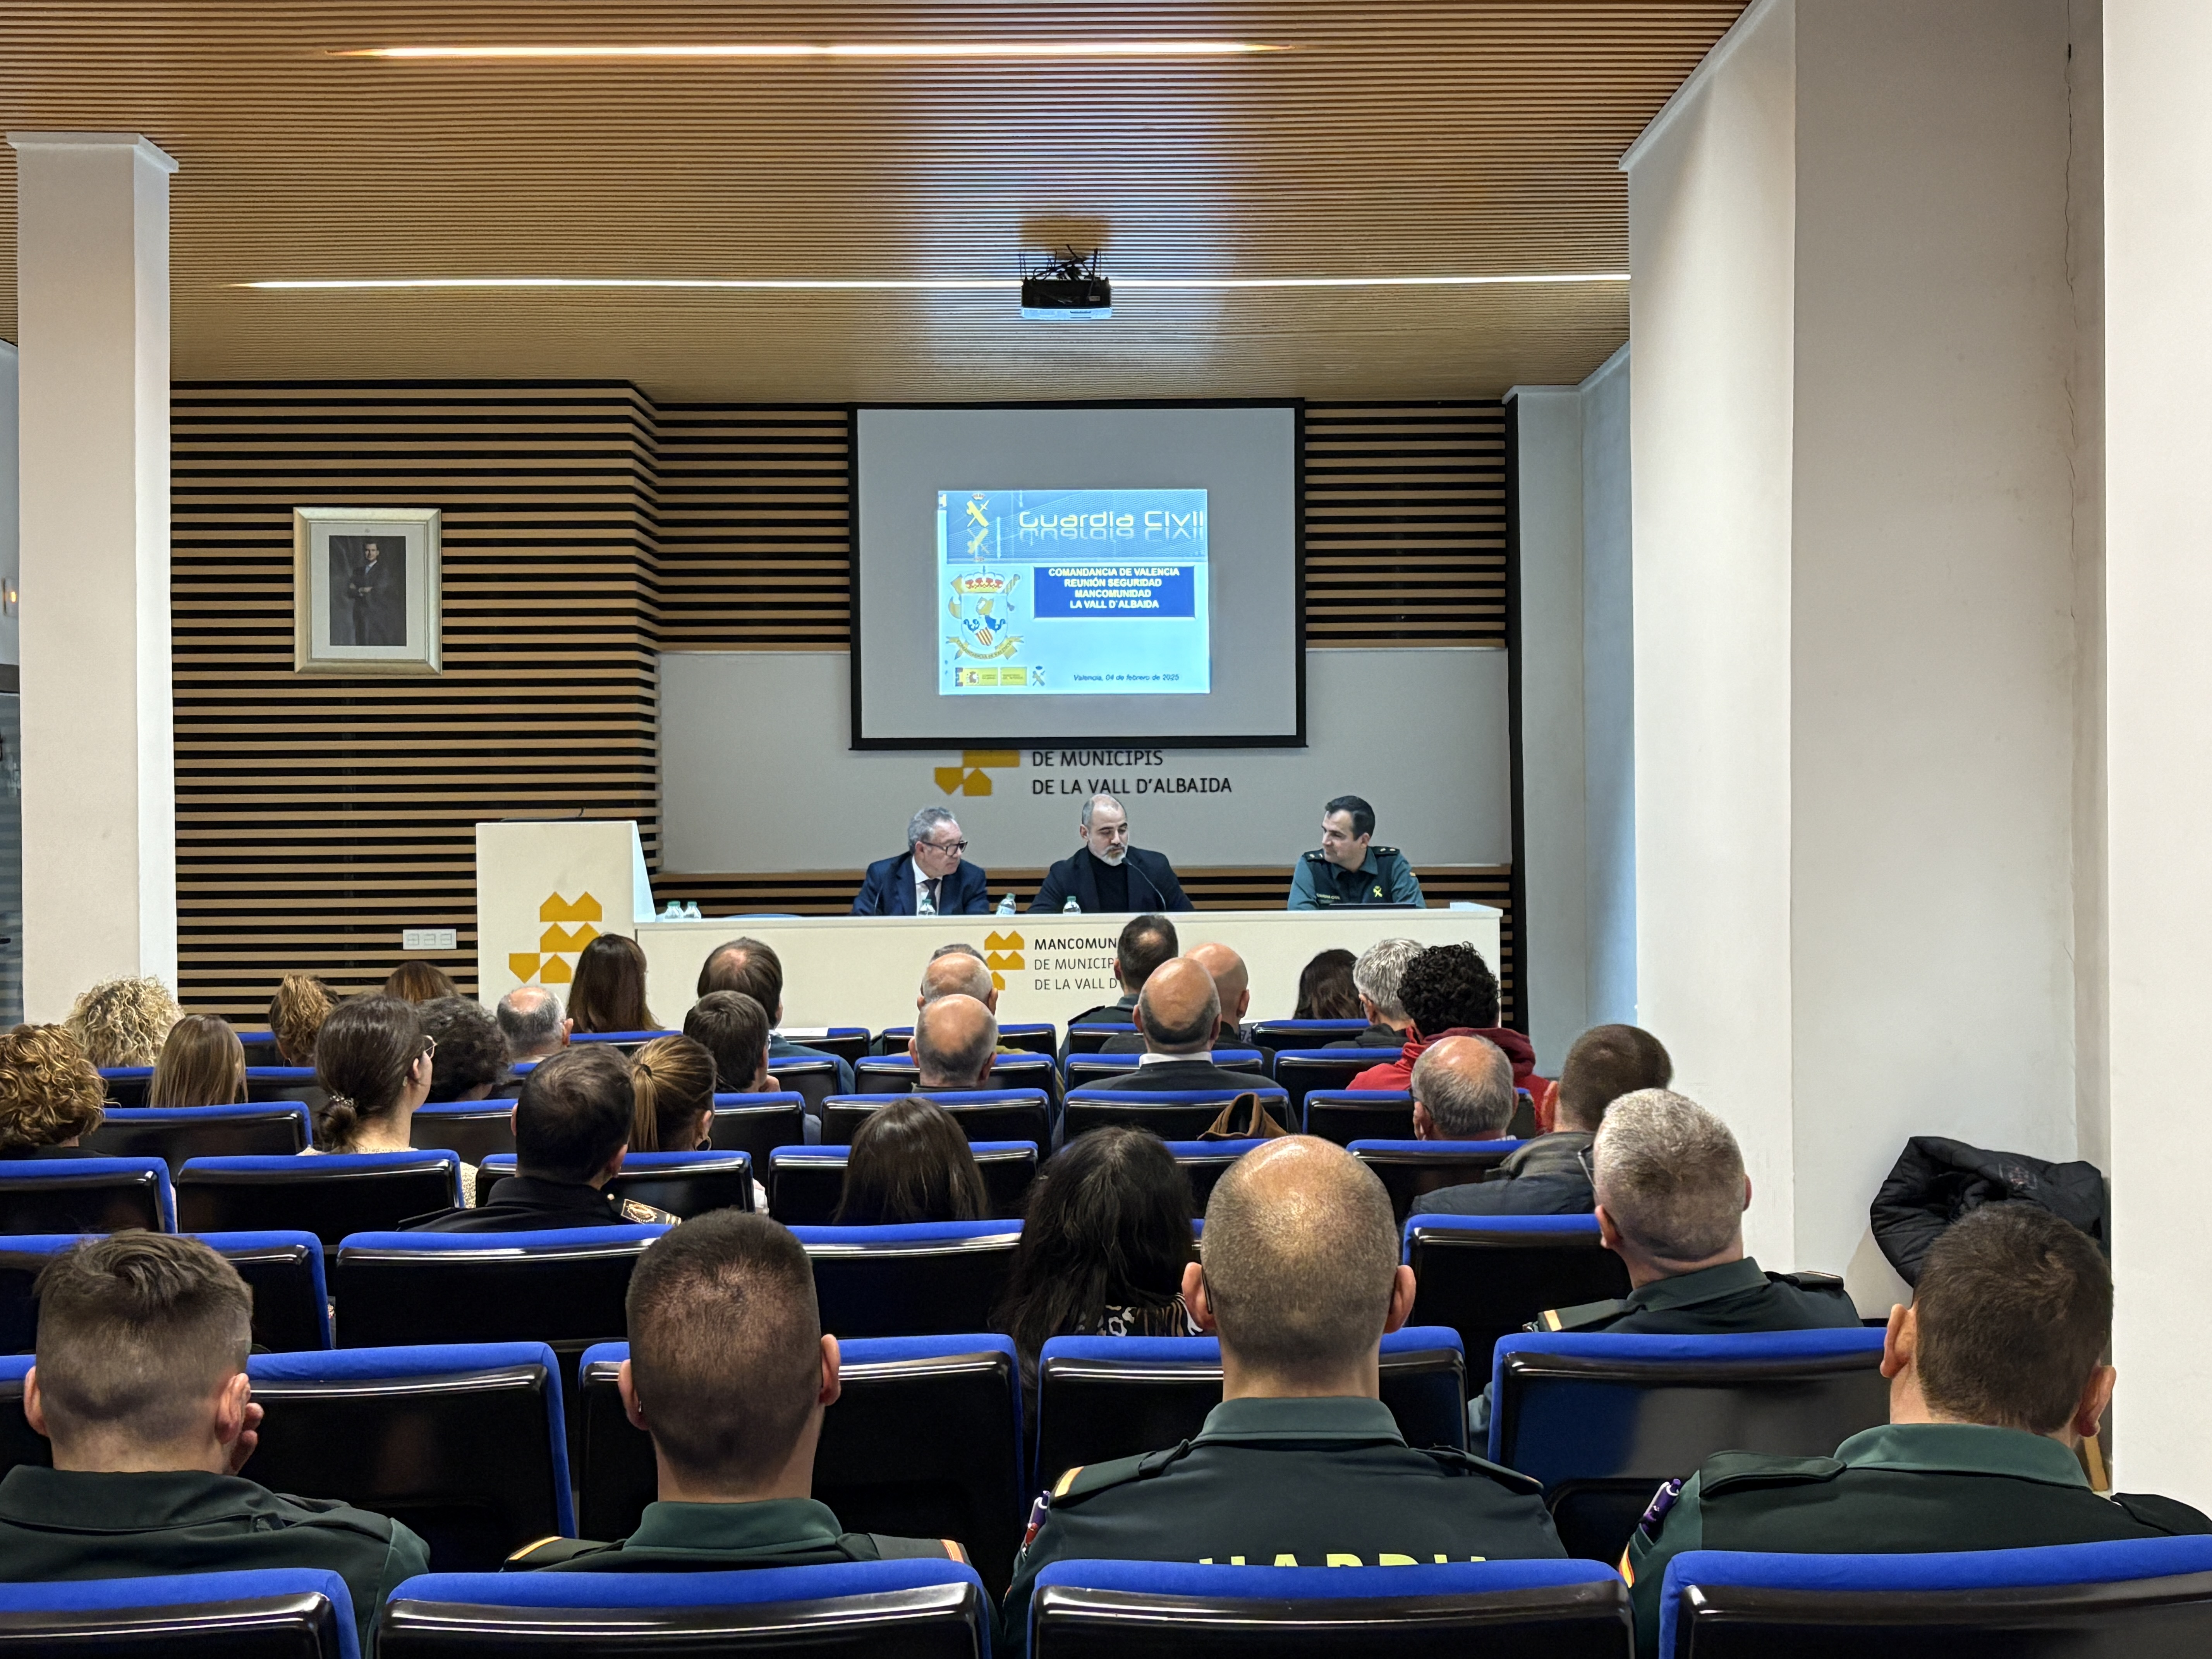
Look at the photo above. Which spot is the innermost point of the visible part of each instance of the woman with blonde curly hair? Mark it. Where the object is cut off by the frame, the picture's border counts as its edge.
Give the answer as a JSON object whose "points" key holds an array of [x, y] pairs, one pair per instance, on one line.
{"points": [[296, 1012], [50, 1095], [202, 1064], [123, 1022]]}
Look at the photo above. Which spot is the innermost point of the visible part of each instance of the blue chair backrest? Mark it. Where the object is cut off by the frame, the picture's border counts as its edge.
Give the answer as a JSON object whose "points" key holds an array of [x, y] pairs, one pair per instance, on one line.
{"points": [[1345, 1115], [2123, 1600], [1303, 1034], [1204, 1162], [86, 1195], [965, 1477], [285, 1612], [758, 1124], [981, 1114], [1496, 1610], [683, 1183], [1170, 1114], [1488, 1276], [805, 1183], [1304, 1070], [1602, 1419], [260, 1048], [281, 1083], [173, 1134], [811, 1077], [848, 1610], [626, 1041], [329, 1195], [1088, 1069], [848, 1043], [284, 1271], [472, 1130], [891, 1074], [1086, 1039], [930, 1278], [1103, 1397], [1413, 1168], [126, 1084], [563, 1286], [467, 1443], [1037, 1037]]}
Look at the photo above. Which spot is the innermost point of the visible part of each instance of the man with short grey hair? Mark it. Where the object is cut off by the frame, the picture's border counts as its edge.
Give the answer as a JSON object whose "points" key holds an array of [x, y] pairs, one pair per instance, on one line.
{"points": [[931, 877], [1462, 1090], [531, 1019], [953, 1043], [1377, 975], [1106, 875]]}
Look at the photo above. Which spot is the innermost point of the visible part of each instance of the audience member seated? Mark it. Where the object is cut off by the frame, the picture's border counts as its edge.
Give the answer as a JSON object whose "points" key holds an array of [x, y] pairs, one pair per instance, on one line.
{"points": [[123, 1022], [532, 1021], [957, 971], [419, 981], [1145, 943], [470, 1058], [1232, 985], [729, 1372], [202, 1064], [910, 1163], [1462, 1090], [50, 1095], [1301, 1464], [1326, 990], [374, 1061], [954, 1042], [1105, 1239], [748, 965], [140, 1385], [732, 1028], [1995, 1377], [571, 1122], [296, 1012], [1449, 991], [1378, 977], [1178, 1015], [1550, 1174], [608, 994], [671, 1083]]}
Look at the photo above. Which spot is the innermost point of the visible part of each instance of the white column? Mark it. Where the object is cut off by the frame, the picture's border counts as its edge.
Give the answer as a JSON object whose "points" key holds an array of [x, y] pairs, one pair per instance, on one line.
{"points": [[2158, 531], [1608, 694], [92, 262]]}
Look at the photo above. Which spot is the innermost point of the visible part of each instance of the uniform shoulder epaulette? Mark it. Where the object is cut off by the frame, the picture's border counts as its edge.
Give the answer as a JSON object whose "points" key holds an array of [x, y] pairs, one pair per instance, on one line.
{"points": [[1085, 1480], [1823, 1284], [644, 1214], [1317, 856], [2168, 1514], [1725, 1470], [550, 1552], [1378, 849], [1455, 1461], [1587, 1315]]}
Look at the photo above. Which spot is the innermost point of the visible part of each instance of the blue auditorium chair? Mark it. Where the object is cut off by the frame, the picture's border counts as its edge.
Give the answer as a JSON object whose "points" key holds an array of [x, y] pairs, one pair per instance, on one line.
{"points": [[86, 1195], [850, 1043], [1088, 1039], [1492, 1609], [1412, 1169], [964, 1477], [281, 1082], [287, 1613], [467, 1443], [897, 1075], [1304, 1035], [173, 1134], [981, 1114], [626, 1043], [813, 1078], [2132, 1599], [847, 1610], [1170, 1114], [1036, 1038], [1301, 1071], [1088, 1071], [683, 1183], [1345, 1115], [126, 1084], [758, 1124], [1204, 1162], [1103, 1397], [1487, 1276], [1601, 1419], [328, 1196], [291, 1308], [928, 1278], [260, 1048], [805, 1183], [472, 1130]]}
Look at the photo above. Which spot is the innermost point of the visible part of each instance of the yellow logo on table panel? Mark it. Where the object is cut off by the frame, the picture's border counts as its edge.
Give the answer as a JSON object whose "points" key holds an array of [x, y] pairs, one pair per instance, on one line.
{"points": [[552, 963], [1002, 952]]}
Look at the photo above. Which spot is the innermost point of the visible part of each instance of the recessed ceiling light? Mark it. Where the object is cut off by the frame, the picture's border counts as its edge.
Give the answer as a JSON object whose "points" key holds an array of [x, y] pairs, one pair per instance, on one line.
{"points": [[1026, 49], [1192, 284]]}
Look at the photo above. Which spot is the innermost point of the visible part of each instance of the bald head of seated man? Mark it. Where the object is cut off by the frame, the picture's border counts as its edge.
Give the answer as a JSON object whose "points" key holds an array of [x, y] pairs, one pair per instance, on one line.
{"points": [[1301, 1464], [957, 971], [953, 1042], [1462, 1090], [1178, 1015], [1231, 983]]}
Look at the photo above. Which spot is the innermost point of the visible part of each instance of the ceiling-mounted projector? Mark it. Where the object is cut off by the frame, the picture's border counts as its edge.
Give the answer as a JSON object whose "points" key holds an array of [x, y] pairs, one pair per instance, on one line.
{"points": [[1067, 291]]}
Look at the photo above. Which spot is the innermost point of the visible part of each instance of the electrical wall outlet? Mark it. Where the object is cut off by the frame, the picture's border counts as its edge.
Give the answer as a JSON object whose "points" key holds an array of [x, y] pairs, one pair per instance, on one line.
{"points": [[429, 938]]}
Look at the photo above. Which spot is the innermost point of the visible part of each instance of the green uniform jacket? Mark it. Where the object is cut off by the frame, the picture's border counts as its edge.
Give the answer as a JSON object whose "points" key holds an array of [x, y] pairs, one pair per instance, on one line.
{"points": [[1288, 1483], [60, 1523], [1730, 1300], [776, 1532], [1909, 1488], [1384, 878]]}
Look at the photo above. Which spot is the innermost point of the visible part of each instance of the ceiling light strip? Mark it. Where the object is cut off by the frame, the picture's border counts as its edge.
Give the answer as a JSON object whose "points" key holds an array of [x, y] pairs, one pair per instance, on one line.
{"points": [[857, 49], [1189, 284]]}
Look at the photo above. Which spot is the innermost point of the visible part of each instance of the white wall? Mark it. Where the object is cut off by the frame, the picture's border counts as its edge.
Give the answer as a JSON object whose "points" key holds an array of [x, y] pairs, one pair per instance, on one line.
{"points": [[1609, 696], [10, 501]]}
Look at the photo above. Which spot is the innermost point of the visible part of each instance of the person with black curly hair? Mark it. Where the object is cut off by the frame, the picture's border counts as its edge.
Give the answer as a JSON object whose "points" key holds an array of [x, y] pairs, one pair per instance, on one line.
{"points": [[1449, 991], [470, 1063]]}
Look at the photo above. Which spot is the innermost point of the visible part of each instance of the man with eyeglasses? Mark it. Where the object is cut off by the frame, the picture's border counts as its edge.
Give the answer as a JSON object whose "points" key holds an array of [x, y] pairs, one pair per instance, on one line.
{"points": [[932, 877], [1106, 875]]}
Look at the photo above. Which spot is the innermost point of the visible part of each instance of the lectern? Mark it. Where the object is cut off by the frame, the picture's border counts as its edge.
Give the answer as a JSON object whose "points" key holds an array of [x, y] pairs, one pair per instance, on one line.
{"points": [[545, 890]]}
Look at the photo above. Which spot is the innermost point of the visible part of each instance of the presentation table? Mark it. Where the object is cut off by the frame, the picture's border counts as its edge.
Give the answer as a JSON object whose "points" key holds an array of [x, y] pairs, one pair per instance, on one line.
{"points": [[865, 970]]}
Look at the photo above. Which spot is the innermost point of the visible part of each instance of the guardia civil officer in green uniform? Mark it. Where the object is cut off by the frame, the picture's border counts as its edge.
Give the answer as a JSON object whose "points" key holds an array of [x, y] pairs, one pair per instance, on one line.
{"points": [[1301, 1464], [1347, 869], [140, 1384], [1996, 1380], [730, 1373]]}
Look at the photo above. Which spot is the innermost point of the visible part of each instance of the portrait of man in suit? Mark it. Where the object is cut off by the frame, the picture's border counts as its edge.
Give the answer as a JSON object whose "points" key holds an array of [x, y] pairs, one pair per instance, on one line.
{"points": [[368, 590]]}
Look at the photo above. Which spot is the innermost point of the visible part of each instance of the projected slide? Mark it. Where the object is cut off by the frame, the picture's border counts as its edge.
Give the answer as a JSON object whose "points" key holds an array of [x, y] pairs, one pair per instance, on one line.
{"points": [[1072, 591]]}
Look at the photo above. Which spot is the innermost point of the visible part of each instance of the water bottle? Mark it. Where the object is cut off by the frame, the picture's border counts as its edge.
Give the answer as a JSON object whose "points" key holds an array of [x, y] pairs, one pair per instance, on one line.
{"points": [[1071, 906], [1006, 905]]}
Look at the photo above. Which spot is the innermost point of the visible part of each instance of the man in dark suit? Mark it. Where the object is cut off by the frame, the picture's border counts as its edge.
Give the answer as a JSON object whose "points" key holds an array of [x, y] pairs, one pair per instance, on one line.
{"points": [[930, 877], [377, 587], [1106, 875], [1179, 1012]]}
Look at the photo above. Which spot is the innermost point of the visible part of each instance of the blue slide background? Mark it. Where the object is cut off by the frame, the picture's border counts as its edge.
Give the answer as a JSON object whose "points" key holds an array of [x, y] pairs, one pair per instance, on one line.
{"points": [[1072, 591]]}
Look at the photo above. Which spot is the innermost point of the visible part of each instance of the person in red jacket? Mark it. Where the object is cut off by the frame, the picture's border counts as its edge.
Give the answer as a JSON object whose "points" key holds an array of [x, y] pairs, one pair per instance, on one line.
{"points": [[1449, 991]]}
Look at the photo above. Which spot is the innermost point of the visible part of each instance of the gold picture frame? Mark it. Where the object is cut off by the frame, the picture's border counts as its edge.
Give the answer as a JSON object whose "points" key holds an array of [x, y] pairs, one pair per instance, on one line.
{"points": [[368, 596]]}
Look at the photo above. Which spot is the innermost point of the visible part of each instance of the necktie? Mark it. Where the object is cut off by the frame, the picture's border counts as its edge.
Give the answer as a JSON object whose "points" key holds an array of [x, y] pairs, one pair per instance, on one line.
{"points": [[929, 896]]}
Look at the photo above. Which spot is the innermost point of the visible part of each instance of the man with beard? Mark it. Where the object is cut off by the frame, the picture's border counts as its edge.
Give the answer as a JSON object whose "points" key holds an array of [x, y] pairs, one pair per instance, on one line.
{"points": [[1106, 875]]}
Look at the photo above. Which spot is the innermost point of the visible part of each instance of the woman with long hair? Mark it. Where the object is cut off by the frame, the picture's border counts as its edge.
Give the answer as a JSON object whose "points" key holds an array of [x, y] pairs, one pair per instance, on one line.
{"points": [[608, 994], [49, 1094], [296, 1012], [910, 1162], [1325, 988], [202, 1064], [374, 1061]]}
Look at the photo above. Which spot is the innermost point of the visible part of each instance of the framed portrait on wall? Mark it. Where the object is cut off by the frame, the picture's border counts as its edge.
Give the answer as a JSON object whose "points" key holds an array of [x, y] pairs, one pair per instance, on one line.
{"points": [[365, 591]]}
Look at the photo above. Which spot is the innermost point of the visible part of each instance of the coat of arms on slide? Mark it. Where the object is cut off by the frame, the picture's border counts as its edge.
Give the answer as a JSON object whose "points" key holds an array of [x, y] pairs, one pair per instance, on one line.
{"points": [[982, 606]]}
